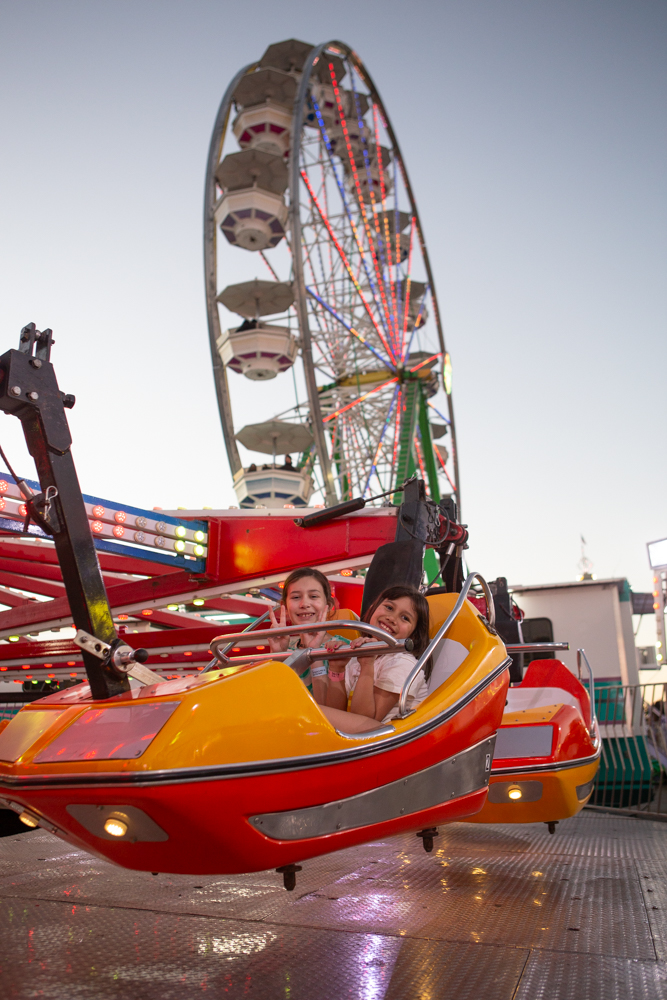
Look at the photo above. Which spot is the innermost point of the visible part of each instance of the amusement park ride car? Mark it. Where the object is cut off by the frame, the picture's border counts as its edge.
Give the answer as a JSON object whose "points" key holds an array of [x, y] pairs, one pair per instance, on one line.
{"points": [[239, 758]]}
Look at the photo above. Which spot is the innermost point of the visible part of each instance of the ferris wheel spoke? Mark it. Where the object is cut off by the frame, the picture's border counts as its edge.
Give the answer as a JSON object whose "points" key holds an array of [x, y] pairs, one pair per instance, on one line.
{"points": [[360, 399], [354, 228], [266, 261], [408, 282], [355, 333], [386, 239], [380, 442], [346, 263], [353, 169]]}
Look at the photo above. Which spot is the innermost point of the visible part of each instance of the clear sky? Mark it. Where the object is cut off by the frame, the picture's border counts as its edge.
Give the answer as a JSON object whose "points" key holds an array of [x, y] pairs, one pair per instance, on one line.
{"points": [[534, 135]]}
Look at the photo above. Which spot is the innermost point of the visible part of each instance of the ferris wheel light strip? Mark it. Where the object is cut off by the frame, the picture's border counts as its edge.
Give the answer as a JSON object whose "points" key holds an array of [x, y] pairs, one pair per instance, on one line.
{"points": [[347, 266], [419, 316], [397, 265], [441, 415], [422, 363], [384, 247], [408, 283], [359, 399], [387, 240], [399, 407], [351, 329], [420, 458], [444, 467], [384, 431], [262, 255], [355, 232], [353, 168]]}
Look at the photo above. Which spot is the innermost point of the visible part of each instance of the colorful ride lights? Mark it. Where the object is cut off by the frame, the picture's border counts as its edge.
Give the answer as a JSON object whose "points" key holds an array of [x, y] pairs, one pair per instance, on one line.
{"points": [[199, 550], [514, 793], [13, 638], [115, 827], [28, 819], [198, 601], [179, 545], [199, 536]]}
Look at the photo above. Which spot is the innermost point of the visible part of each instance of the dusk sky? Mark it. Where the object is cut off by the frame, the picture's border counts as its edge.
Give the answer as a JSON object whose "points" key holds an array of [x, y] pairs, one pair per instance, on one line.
{"points": [[534, 136]]}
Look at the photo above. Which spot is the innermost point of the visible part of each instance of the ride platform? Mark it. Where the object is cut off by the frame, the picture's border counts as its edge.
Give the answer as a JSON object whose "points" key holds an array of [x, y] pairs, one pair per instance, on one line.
{"points": [[498, 912]]}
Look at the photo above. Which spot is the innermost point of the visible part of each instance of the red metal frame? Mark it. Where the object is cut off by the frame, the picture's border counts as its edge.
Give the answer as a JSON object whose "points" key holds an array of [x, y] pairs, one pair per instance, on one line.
{"points": [[246, 549]]}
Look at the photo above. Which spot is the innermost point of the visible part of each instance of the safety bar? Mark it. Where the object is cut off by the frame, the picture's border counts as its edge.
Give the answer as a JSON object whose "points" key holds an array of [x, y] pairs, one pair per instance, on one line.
{"points": [[239, 638], [537, 647], [307, 656], [249, 628], [434, 645], [581, 655]]}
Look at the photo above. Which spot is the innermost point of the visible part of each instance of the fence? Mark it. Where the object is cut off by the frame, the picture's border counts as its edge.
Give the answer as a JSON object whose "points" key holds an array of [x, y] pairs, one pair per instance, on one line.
{"points": [[633, 765]]}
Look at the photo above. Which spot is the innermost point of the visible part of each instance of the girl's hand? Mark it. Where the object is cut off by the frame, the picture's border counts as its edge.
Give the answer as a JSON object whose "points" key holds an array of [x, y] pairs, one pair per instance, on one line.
{"points": [[281, 642], [366, 663], [311, 640], [333, 644], [362, 640]]}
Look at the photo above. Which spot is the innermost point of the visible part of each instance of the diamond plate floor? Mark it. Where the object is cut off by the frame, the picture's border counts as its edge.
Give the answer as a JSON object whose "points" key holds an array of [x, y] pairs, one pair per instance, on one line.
{"points": [[504, 913]]}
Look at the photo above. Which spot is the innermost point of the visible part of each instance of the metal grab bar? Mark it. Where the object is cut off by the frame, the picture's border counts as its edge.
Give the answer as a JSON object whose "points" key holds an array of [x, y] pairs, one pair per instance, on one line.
{"points": [[273, 633], [249, 628], [536, 647], [302, 657], [581, 655], [436, 642]]}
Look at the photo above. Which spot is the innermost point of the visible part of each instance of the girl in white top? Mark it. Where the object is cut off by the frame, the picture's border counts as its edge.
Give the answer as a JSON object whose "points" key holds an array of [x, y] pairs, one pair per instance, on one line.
{"points": [[366, 693]]}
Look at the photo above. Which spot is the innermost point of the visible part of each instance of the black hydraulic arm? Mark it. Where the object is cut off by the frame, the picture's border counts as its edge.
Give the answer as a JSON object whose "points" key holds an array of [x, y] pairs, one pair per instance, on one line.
{"points": [[29, 390]]}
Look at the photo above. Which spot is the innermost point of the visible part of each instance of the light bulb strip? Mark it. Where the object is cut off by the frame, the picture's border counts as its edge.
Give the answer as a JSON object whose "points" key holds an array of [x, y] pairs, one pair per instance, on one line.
{"points": [[359, 399], [346, 263], [362, 207], [362, 255]]}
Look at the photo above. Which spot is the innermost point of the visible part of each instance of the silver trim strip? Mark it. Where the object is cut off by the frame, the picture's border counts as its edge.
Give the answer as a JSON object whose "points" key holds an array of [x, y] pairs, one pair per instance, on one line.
{"points": [[452, 778], [551, 766]]}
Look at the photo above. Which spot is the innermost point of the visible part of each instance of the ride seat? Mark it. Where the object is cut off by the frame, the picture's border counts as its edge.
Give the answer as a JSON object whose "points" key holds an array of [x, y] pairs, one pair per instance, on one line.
{"points": [[344, 615], [548, 678], [452, 653]]}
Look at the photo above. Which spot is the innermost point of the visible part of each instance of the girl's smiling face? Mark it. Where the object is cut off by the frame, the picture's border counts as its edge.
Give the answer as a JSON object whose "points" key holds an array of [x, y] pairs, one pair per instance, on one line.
{"points": [[397, 617], [305, 602]]}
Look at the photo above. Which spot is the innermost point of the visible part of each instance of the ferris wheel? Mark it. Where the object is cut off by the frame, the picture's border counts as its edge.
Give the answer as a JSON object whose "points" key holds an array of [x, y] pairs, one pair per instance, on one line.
{"points": [[316, 195]]}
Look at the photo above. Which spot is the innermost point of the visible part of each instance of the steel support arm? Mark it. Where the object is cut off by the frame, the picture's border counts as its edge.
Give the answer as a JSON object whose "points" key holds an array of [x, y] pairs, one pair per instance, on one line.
{"points": [[29, 390]]}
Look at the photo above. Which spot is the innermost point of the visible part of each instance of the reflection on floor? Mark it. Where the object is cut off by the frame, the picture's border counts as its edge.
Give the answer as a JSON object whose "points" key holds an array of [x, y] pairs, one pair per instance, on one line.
{"points": [[493, 912]]}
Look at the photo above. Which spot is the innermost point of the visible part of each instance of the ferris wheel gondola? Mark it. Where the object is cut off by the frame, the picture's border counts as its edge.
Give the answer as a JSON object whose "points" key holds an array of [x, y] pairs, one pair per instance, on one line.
{"points": [[319, 190]]}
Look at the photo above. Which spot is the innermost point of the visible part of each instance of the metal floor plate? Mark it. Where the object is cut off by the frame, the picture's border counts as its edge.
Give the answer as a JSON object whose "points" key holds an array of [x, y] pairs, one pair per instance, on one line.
{"points": [[504, 913]]}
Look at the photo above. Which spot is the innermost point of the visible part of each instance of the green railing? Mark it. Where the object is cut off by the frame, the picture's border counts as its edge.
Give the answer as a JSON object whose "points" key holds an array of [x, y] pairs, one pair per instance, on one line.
{"points": [[633, 765]]}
